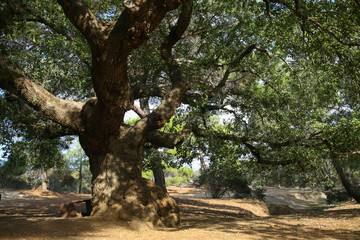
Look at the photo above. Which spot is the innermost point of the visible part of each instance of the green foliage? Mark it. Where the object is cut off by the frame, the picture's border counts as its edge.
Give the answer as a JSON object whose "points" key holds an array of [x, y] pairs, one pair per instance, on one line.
{"points": [[337, 196], [186, 172], [76, 171], [221, 178], [173, 176], [178, 177], [37, 154], [147, 174]]}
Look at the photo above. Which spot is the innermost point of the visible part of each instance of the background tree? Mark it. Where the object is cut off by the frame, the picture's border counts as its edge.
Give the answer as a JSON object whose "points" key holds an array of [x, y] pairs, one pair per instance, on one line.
{"points": [[78, 161]]}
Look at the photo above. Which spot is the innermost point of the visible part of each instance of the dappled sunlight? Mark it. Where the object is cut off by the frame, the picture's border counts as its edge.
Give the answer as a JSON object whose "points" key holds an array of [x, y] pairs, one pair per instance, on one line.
{"points": [[37, 204], [36, 216]]}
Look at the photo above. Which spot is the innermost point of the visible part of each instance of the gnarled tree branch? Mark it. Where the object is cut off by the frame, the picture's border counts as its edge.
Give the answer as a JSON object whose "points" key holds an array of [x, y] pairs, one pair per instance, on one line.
{"points": [[168, 140], [79, 13], [172, 100], [165, 110], [141, 92], [137, 21], [27, 118], [335, 159], [174, 36], [260, 159], [64, 112], [139, 111], [248, 142]]}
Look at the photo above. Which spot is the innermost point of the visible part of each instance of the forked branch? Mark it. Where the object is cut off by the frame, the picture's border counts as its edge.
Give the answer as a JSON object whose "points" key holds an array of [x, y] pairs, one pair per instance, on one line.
{"points": [[174, 36], [79, 13], [168, 140]]}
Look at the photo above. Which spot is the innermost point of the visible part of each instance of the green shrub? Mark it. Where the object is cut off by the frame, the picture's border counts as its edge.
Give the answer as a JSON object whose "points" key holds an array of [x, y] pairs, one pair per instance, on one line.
{"points": [[259, 193], [239, 185], [147, 174], [175, 181], [220, 182], [336, 196]]}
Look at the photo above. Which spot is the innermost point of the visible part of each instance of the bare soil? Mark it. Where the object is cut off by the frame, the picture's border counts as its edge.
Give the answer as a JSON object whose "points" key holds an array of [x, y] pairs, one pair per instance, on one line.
{"points": [[34, 214]]}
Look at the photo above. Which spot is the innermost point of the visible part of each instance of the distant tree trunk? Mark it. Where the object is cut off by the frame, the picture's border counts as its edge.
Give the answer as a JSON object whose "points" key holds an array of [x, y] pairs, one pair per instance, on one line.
{"points": [[159, 175], [157, 168], [202, 162], [44, 180], [80, 174], [352, 190], [44, 186]]}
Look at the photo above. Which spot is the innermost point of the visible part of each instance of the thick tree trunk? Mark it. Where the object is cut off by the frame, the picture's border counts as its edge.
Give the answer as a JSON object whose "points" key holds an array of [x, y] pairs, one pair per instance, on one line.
{"points": [[119, 191], [352, 190]]}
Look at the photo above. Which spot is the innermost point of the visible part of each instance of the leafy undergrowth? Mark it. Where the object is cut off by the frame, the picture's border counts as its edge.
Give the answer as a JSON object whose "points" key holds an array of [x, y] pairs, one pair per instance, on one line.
{"points": [[34, 215]]}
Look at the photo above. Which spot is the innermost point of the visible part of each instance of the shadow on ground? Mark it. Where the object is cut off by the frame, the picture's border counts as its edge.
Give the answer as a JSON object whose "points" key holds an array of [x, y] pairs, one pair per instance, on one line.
{"points": [[234, 220], [36, 217]]}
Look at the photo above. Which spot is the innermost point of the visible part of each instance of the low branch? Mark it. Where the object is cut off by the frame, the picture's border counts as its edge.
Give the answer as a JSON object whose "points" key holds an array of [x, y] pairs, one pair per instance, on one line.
{"points": [[247, 141], [223, 136], [295, 141], [139, 111], [64, 112], [260, 159], [243, 140], [336, 161], [169, 140], [29, 120]]}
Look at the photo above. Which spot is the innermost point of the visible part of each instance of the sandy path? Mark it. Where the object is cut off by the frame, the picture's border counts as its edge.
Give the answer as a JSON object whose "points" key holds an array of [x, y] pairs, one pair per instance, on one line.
{"points": [[33, 215], [298, 199]]}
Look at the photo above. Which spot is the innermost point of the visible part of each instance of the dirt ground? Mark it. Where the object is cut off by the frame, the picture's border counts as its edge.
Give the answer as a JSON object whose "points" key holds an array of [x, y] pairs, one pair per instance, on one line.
{"points": [[34, 214]]}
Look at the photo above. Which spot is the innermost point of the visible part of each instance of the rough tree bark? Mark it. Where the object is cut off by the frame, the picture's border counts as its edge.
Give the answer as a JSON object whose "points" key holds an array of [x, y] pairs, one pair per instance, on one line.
{"points": [[115, 150]]}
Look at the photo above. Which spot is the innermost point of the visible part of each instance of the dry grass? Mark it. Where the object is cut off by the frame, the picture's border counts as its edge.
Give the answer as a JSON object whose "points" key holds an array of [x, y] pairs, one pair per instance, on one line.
{"points": [[34, 215]]}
